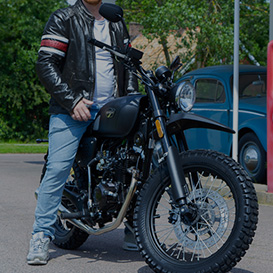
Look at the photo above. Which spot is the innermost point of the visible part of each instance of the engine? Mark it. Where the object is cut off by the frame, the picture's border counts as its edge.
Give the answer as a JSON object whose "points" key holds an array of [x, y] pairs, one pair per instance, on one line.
{"points": [[113, 179]]}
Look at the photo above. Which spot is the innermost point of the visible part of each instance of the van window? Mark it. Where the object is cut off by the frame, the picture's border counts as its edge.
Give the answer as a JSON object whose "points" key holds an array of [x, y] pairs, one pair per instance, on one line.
{"points": [[251, 85], [210, 90]]}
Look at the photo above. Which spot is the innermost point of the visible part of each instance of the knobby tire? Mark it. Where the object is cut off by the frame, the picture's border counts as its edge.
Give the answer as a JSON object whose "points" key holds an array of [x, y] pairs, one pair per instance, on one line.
{"points": [[223, 232]]}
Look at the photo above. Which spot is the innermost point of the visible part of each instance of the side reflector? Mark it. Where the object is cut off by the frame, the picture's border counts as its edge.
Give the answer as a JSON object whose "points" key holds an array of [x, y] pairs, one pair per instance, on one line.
{"points": [[158, 128]]}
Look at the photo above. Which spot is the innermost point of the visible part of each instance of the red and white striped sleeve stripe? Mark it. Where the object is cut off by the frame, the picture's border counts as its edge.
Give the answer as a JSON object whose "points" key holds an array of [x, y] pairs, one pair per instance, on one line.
{"points": [[54, 44]]}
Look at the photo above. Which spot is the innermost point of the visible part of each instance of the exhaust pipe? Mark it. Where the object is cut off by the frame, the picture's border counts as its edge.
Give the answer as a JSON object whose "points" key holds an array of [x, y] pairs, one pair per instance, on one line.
{"points": [[92, 231]]}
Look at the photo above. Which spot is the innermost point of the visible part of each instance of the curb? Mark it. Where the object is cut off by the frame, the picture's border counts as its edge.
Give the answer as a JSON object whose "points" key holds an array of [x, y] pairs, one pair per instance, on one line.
{"points": [[264, 197]]}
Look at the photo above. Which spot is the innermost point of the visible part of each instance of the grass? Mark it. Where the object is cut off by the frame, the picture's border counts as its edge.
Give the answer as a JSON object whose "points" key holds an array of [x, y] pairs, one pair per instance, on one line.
{"points": [[22, 148]]}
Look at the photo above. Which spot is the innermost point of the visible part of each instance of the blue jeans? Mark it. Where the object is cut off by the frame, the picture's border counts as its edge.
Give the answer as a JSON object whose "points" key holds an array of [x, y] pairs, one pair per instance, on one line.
{"points": [[64, 138]]}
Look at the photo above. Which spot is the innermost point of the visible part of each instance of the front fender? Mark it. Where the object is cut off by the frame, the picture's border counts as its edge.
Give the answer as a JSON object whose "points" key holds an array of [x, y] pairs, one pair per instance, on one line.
{"points": [[184, 121]]}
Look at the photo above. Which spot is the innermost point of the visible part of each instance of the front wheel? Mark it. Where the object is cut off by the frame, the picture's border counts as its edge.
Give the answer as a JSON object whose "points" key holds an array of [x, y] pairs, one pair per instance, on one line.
{"points": [[215, 239]]}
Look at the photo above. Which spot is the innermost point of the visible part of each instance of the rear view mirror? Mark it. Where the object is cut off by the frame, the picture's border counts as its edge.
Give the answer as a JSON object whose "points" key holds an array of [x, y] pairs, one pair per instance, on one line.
{"points": [[175, 63], [111, 12]]}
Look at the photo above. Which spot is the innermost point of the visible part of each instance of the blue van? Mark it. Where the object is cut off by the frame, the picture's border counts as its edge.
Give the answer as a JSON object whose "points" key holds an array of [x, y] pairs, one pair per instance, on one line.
{"points": [[214, 100]]}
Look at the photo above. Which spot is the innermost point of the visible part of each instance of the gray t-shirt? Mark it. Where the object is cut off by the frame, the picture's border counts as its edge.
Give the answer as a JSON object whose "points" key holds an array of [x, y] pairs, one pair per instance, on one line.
{"points": [[104, 87]]}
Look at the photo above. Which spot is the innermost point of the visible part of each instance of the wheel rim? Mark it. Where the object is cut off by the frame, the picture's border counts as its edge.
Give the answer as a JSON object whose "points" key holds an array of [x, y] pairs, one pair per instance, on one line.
{"points": [[191, 243], [206, 202], [250, 157]]}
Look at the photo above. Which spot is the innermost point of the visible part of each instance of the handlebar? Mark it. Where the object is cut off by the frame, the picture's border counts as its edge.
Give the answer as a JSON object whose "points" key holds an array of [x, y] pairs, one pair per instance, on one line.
{"points": [[98, 43], [108, 48], [132, 54]]}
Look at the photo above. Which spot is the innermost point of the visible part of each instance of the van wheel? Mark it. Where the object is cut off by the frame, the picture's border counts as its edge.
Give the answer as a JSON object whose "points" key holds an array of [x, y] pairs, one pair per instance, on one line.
{"points": [[252, 157]]}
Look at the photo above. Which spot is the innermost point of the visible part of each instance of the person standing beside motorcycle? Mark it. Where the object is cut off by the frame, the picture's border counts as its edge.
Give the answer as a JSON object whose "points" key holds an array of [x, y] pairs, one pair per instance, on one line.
{"points": [[80, 79]]}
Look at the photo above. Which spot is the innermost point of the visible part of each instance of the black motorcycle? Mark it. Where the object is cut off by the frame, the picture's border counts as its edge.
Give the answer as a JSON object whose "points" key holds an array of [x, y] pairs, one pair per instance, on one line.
{"points": [[190, 210]]}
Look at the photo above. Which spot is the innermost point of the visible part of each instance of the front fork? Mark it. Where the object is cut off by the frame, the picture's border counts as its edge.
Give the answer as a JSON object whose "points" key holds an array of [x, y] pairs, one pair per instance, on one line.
{"points": [[178, 182]]}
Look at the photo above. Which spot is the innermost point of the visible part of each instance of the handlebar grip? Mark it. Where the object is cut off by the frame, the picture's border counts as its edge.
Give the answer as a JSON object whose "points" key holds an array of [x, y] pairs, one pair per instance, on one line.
{"points": [[98, 43], [38, 140], [131, 53], [108, 48]]}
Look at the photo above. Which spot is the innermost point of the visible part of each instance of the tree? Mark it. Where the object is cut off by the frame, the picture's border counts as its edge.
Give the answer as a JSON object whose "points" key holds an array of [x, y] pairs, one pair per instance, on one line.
{"points": [[24, 102], [208, 23], [254, 29], [157, 17]]}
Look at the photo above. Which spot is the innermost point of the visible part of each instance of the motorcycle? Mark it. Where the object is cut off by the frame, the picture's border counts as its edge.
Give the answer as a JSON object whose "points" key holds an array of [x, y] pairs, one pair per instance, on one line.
{"points": [[189, 210]]}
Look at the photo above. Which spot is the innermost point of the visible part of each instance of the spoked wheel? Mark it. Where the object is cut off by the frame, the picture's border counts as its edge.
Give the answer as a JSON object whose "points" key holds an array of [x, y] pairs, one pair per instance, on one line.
{"points": [[67, 236], [215, 234]]}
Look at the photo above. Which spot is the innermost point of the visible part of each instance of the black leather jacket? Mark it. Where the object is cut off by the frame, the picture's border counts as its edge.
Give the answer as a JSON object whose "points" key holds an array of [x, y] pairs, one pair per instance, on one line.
{"points": [[66, 61]]}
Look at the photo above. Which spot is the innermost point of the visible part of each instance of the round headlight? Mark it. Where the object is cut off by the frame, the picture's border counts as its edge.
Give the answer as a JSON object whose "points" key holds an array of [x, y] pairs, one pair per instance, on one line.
{"points": [[185, 96]]}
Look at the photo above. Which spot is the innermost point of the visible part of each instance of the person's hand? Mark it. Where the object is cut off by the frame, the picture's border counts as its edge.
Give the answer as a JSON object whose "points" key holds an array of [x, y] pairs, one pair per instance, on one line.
{"points": [[81, 111]]}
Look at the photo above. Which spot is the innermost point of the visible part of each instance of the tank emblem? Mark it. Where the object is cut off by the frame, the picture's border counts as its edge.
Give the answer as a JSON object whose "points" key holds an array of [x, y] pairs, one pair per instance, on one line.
{"points": [[110, 113]]}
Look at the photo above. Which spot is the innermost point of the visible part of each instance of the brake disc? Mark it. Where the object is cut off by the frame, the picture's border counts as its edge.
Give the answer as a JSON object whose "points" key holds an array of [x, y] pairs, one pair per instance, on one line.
{"points": [[213, 220]]}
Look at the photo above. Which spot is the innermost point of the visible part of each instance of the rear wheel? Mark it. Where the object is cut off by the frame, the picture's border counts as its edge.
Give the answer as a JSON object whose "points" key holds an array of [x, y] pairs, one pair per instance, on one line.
{"points": [[215, 239], [67, 236]]}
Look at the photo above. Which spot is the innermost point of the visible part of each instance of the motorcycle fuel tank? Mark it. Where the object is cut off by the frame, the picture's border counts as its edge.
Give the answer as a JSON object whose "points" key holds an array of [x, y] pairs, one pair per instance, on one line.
{"points": [[117, 118]]}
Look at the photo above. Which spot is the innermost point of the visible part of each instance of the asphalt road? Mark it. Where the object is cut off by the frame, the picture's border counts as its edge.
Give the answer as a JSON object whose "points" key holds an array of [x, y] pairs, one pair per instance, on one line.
{"points": [[19, 178]]}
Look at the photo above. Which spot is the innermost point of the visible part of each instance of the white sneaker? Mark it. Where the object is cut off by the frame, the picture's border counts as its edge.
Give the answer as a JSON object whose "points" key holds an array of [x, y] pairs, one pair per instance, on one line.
{"points": [[38, 249]]}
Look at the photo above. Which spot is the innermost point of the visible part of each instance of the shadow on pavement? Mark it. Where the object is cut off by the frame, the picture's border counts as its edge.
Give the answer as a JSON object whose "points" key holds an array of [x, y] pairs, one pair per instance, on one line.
{"points": [[35, 162], [238, 270], [105, 247]]}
